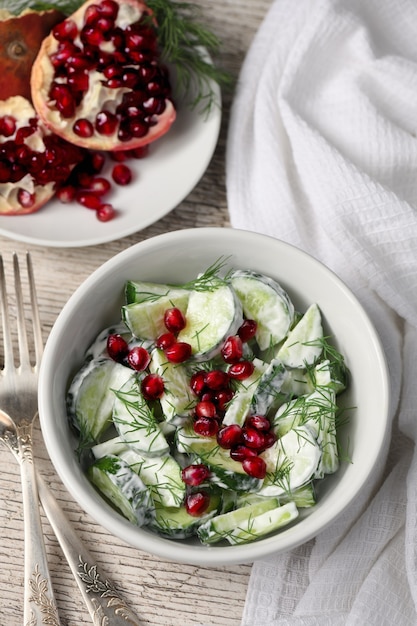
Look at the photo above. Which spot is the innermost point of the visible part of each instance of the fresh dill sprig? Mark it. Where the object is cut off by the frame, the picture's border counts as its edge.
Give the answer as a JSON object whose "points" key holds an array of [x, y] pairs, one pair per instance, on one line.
{"points": [[184, 43], [210, 279]]}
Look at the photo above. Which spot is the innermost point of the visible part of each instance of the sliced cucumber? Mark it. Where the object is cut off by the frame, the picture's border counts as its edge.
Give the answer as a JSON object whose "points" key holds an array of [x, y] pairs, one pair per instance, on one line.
{"points": [[177, 399], [123, 488], [268, 390], [146, 319], [247, 523], [322, 422], [264, 524], [226, 472], [266, 302], [90, 398], [291, 462], [220, 526], [240, 405], [176, 523], [303, 497], [211, 317], [161, 474], [135, 422], [138, 291], [333, 374], [303, 346], [115, 445]]}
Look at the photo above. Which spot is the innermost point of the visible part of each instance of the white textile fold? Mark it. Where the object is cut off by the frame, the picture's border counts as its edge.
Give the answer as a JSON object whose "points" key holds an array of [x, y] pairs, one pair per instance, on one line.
{"points": [[322, 153]]}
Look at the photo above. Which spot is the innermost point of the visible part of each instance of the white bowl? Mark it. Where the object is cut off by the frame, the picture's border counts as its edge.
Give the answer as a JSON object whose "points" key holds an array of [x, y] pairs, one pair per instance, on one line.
{"points": [[175, 258]]}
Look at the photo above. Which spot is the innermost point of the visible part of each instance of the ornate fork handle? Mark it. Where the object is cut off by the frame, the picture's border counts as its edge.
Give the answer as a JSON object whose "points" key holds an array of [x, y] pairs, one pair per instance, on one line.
{"points": [[39, 601], [103, 601]]}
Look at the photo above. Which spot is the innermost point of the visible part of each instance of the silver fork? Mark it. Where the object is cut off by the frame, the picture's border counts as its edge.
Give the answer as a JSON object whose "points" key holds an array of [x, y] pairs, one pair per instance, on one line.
{"points": [[18, 397]]}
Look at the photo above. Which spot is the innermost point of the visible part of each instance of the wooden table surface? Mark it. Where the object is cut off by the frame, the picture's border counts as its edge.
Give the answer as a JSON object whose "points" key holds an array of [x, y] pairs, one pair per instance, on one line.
{"points": [[162, 593]]}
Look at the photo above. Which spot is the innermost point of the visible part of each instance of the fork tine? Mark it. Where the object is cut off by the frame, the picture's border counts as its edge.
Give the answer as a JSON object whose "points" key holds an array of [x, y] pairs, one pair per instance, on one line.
{"points": [[36, 322], [7, 342], [20, 316]]}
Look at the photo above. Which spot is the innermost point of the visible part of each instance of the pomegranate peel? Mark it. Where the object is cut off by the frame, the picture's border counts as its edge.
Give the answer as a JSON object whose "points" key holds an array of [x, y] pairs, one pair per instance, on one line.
{"points": [[20, 39], [106, 89]]}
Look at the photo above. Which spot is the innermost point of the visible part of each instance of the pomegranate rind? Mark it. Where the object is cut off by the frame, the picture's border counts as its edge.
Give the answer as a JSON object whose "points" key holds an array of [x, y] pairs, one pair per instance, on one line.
{"points": [[21, 37], [43, 74]]}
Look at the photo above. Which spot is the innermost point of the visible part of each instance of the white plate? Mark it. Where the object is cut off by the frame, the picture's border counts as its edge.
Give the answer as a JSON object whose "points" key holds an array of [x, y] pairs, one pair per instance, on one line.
{"points": [[163, 179]]}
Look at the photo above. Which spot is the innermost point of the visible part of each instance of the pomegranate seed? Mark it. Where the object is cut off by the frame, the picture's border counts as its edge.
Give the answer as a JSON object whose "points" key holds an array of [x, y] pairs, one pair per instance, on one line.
{"points": [[196, 474], [241, 370], [7, 125], [255, 467], [106, 212], [92, 36], [97, 162], [206, 427], [165, 340], [260, 422], [205, 409], [222, 398], [253, 438], [119, 155], [138, 358], [24, 132], [229, 436], [198, 382], [174, 320], [92, 14], [104, 24], [25, 198], [121, 174], [66, 194], [78, 81], [89, 200], [66, 30], [270, 439], [64, 100], [138, 128], [247, 330], [106, 123], [117, 347], [139, 153], [99, 186], [208, 396], [232, 349], [109, 8], [152, 387], [241, 452], [197, 503], [83, 128], [113, 71], [216, 379], [178, 352]]}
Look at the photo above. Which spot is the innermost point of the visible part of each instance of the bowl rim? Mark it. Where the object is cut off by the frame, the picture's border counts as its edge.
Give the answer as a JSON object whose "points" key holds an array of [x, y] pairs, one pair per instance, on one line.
{"points": [[151, 542]]}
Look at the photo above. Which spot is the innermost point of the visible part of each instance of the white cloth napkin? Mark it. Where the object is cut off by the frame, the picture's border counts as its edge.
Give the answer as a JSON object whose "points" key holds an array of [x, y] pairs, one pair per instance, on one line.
{"points": [[322, 153]]}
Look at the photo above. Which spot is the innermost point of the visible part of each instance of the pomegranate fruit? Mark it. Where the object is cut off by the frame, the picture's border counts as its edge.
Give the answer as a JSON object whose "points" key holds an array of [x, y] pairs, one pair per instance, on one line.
{"points": [[33, 161], [20, 39], [97, 80]]}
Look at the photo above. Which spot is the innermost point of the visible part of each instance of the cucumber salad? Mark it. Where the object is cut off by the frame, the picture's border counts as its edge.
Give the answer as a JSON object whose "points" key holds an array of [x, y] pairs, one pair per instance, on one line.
{"points": [[210, 409]]}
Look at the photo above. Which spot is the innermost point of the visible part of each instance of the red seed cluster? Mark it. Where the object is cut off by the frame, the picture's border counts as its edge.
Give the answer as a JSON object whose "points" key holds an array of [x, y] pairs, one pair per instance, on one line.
{"points": [[131, 66], [18, 159]]}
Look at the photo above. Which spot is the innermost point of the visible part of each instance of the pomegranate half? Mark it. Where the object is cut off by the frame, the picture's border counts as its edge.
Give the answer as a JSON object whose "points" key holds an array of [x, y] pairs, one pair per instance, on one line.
{"points": [[33, 161], [98, 81]]}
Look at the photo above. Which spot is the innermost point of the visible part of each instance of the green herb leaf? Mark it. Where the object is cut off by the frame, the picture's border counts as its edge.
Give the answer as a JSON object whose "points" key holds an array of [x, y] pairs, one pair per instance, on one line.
{"points": [[184, 42]]}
